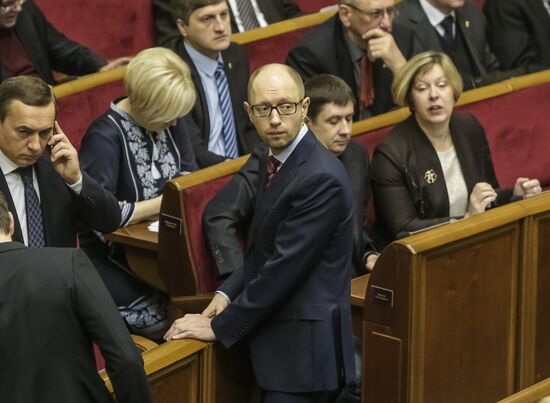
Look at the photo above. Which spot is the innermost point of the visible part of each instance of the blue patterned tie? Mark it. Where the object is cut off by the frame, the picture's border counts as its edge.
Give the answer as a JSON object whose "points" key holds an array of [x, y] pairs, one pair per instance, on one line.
{"points": [[228, 130], [35, 229]]}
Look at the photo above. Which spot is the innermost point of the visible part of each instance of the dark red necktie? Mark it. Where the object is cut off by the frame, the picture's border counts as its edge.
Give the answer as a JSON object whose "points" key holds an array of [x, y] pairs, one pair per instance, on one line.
{"points": [[272, 164], [366, 91]]}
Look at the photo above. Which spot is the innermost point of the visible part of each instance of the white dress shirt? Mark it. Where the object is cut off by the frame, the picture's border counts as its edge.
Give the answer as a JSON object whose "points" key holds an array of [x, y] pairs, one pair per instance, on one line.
{"points": [[436, 17]]}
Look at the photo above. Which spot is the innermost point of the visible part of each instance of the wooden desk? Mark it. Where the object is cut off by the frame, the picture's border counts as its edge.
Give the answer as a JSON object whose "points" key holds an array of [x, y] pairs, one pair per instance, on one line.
{"points": [[358, 289], [141, 246]]}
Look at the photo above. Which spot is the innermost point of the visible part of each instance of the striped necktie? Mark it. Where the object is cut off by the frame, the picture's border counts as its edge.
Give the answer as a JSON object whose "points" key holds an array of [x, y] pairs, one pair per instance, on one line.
{"points": [[272, 165], [35, 228], [247, 14], [228, 120]]}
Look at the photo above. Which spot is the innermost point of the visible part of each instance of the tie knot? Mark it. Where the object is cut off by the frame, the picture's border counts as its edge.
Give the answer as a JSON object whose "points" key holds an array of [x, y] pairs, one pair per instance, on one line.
{"points": [[26, 174], [272, 165], [219, 68]]}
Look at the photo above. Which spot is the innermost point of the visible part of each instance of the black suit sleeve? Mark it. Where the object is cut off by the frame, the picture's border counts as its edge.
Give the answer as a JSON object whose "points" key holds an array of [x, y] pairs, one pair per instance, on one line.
{"points": [[510, 36], [99, 316], [64, 55], [97, 207], [230, 209]]}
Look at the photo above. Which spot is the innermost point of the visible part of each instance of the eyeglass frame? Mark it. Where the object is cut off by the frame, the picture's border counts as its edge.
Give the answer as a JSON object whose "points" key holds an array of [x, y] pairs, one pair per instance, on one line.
{"points": [[7, 8], [277, 108], [377, 13]]}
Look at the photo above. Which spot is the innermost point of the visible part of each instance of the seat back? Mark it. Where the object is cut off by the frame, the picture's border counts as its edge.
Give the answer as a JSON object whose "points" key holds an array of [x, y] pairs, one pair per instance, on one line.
{"points": [[183, 249]]}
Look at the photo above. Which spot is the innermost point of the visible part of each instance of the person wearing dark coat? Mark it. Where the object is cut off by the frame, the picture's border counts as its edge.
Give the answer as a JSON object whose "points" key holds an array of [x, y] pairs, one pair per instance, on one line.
{"points": [[30, 45], [53, 307], [218, 126], [365, 51], [518, 32], [435, 166]]}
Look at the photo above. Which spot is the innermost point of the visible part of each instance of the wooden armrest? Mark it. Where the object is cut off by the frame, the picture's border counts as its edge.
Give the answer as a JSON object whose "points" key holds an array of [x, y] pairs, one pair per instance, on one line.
{"points": [[143, 343], [192, 303], [539, 393]]}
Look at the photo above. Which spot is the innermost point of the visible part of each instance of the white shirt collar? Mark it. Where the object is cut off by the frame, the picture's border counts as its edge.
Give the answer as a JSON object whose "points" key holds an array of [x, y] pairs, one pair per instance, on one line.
{"points": [[434, 15], [283, 155], [7, 165], [205, 64]]}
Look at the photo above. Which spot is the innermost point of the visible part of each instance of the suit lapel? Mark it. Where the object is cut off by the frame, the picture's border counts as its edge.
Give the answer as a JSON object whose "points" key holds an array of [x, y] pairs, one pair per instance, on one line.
{"points": [[539, 10], [425, 32], [267, 197], [463, 25], [201, 98]]}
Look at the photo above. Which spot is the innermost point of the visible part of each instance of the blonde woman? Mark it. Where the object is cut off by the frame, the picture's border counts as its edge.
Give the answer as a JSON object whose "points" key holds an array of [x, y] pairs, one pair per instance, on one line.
{"points": [[132, 150], [435, 165]]}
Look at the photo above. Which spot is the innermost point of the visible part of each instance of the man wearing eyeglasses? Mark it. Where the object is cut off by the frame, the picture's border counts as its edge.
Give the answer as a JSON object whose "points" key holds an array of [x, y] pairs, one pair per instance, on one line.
{"points": [[361, 46], [457, 28], [30, 45], [290, 298]]}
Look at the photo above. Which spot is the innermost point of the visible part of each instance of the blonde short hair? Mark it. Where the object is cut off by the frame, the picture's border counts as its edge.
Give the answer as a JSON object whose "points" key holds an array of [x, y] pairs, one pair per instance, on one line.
{"points": [[159, 86], [420, 64]]}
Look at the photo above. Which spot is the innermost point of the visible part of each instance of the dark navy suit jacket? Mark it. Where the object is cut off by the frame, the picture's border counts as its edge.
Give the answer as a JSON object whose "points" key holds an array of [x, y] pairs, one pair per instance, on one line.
{"points": [[62, 209], [291, 296]]}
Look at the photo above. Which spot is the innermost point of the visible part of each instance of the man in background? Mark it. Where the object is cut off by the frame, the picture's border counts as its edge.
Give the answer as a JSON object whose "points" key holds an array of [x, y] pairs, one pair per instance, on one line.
{"points": [[245, 15], [519, 33], [30, 45], [53, 306], [219, 127], [362, 46]]}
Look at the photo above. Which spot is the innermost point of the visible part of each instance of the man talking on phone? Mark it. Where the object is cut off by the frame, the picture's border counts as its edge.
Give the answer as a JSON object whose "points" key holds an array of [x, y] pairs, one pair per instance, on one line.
{"points": [[361, 46], [41, 176]]}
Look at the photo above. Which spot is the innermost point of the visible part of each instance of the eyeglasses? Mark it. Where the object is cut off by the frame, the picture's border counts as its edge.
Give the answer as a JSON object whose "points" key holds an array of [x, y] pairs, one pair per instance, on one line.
{"points": [[284, 109], [376, 14], [11, 6]]}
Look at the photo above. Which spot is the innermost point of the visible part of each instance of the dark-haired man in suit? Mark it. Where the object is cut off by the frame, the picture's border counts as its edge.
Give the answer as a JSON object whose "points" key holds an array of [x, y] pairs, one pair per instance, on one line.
{"points": [[246, 14], [219, 127], [53, 306], [519, 32], [41, 178], [295, 279]]}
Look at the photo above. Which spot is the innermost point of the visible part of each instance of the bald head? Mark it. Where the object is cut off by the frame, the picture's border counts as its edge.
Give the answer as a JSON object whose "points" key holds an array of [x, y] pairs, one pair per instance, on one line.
{"points": [[279, 75], [276, 105]]}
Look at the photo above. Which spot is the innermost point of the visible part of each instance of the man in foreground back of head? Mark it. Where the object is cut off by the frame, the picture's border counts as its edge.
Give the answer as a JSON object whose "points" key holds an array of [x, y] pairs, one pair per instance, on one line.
{"points": [[290, 298], [53, 305]]}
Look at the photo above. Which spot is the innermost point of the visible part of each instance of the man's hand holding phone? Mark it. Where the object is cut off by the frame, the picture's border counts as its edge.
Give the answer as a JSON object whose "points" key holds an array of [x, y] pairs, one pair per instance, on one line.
{"points": [[64, 156]]}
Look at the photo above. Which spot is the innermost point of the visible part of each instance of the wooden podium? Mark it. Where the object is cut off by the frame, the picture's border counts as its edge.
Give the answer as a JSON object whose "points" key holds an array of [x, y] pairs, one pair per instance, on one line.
{"points": [[456, 313]]}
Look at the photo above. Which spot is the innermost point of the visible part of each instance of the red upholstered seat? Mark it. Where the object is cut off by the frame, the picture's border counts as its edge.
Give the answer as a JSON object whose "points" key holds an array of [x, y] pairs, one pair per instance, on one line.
{"points": [[312, 6], [76, 112]]}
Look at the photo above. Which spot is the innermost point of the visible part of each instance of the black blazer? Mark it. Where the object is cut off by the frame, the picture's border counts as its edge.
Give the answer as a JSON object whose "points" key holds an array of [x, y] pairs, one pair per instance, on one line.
{"points": [[49, 49], [230, 210], [403, 198], [471, 23], [295, 281], [63, 211], [54, 306], [324, 50], [198, 120], [519, 33], [167, 30]]}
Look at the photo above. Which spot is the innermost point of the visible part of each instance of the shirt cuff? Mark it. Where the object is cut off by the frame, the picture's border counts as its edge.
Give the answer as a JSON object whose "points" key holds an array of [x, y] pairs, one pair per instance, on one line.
{"points": [[223, 294], [77, 186]]}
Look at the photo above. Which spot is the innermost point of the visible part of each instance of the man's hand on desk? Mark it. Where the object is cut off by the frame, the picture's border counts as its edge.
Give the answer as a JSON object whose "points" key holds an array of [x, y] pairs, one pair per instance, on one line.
{"points": [[191, 326], [216, 306]]}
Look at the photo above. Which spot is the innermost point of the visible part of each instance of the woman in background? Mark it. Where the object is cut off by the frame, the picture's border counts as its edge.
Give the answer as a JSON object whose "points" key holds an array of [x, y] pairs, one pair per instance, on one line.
{"points": [[435, 165], [132, 150]]}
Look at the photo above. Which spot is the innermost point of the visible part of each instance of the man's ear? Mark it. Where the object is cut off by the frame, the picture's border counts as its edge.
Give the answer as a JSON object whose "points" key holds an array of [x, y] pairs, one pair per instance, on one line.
{"points": [[182, 27], [12, 225], [305, 106], [344, 15], [248, 109]]}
